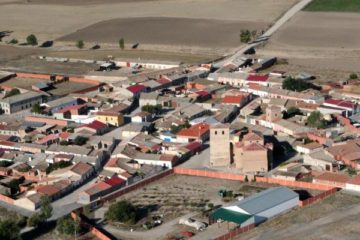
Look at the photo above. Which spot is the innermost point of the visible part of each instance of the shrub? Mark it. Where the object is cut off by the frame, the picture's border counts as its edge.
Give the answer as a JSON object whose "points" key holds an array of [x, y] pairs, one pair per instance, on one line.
{"points": [[80, 44], [32, 40]]}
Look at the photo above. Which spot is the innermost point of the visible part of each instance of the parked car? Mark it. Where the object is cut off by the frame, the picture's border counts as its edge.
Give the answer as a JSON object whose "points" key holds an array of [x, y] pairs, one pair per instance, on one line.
{"points": [[193, 223]]}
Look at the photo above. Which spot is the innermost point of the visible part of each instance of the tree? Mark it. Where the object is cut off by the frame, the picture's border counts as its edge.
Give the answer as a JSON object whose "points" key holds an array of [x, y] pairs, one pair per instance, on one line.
{"points": [[68, 226], [153, 109], [36, 108], [12, 92], [32, 40], [9, 230], [122, 43], [351, 171], [353, 76], [245, 36], [13, 41], [80, 44], [292, 111], [35, 220], [123, 212], [316, 120], [296, 84], [79, 140], [46, 208]]}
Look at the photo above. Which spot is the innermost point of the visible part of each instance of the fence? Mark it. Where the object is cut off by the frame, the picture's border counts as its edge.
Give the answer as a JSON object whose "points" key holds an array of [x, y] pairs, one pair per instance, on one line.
{"points": [[210, 174], [135, 186], [233, 233], [318, 197], [237, 177]]}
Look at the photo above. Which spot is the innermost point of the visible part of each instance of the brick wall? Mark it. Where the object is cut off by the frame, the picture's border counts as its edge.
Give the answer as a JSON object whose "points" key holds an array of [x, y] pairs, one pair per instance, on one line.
{"points": [[137, 185], [318, 197], [210, 174], [92, 229], [237, 231], [237, 177], [46, 120], [47, 77]]}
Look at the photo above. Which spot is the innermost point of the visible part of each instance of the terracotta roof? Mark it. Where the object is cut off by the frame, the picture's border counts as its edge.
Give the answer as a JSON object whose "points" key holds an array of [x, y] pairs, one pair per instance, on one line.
{"points": [[48, 190], [340, 103], [81, 168], [195, 130], [167, 157], [97, 187], [254, 147], [68, 108], [112, 162], [312, 145], [333, 177], [64, 135], [251, 136], [163, 81], [193, 146], [355, 180], [257, 78], [202, 93], [233, 99]]}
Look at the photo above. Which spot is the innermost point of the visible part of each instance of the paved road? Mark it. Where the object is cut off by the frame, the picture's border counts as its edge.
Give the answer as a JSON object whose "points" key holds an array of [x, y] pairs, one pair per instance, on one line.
{"points": [[281, 21], [159, 232]]}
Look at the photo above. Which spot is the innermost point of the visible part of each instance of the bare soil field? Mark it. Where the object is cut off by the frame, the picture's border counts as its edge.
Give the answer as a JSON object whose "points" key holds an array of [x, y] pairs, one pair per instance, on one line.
{"points": [[335, 217], [167, 31], [52, 21], [319, 41]]}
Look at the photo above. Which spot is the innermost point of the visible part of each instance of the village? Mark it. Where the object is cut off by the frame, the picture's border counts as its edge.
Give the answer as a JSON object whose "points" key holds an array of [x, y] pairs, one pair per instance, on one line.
{"points": [[113, 128], [83, 143]]}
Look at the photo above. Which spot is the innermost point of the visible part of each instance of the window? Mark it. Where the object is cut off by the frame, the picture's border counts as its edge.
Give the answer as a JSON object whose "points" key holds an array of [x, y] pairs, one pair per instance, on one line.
{"points": [[223, 132], [215, 132]]}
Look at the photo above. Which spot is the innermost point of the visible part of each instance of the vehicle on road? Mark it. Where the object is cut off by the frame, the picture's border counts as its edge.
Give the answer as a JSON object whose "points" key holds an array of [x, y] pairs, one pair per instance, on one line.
{"points": [[193, 223]]}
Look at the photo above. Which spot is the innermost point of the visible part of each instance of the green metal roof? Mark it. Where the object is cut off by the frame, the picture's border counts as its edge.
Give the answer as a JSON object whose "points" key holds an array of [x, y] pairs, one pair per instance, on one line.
{"points": [[230, 216]]}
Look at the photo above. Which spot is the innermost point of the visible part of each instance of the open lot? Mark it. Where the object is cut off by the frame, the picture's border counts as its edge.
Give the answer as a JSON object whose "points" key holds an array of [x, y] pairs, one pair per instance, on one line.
{"points": [[321, 43], [71, 18], [333, 218], [178, 196]]}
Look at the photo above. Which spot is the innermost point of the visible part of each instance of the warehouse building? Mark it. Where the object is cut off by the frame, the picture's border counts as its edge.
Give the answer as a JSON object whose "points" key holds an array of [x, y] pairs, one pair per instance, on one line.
{"points": [[259, 207], [20, 102]]}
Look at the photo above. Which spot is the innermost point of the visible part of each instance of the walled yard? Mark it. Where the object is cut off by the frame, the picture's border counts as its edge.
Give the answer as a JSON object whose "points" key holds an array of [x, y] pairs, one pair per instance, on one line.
{"points": [[335, 217]]}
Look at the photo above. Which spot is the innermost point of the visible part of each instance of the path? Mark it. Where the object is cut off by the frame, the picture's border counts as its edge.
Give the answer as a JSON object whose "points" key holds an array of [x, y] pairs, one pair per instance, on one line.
{"points": [[279, 23]]}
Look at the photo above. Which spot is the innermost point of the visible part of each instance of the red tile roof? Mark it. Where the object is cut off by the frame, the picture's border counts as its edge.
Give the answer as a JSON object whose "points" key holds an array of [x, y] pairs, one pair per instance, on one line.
{"points": [[333, 177], [193, 146], [48, 190], [68, 108], [194, 131], [136, 88], [163, 81], [95, 125], [251, 136], [81, 168], [340, 103], [64, 135], [233, 99], [257, 78], [202, 93], [112, 163], [114, 180], [254, 147]]}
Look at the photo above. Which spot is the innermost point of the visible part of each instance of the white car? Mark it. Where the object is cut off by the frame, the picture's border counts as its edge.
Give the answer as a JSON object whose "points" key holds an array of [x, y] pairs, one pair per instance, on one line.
{"points": [[193, 223]]}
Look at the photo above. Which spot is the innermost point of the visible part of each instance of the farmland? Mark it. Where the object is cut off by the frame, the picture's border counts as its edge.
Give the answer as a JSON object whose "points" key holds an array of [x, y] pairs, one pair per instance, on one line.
{"points": [[77, 18], [334, 6]]}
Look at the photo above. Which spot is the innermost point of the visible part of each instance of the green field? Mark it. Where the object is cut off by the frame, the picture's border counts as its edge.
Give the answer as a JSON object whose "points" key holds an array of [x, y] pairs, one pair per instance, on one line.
{"points": [[333, 6]]}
